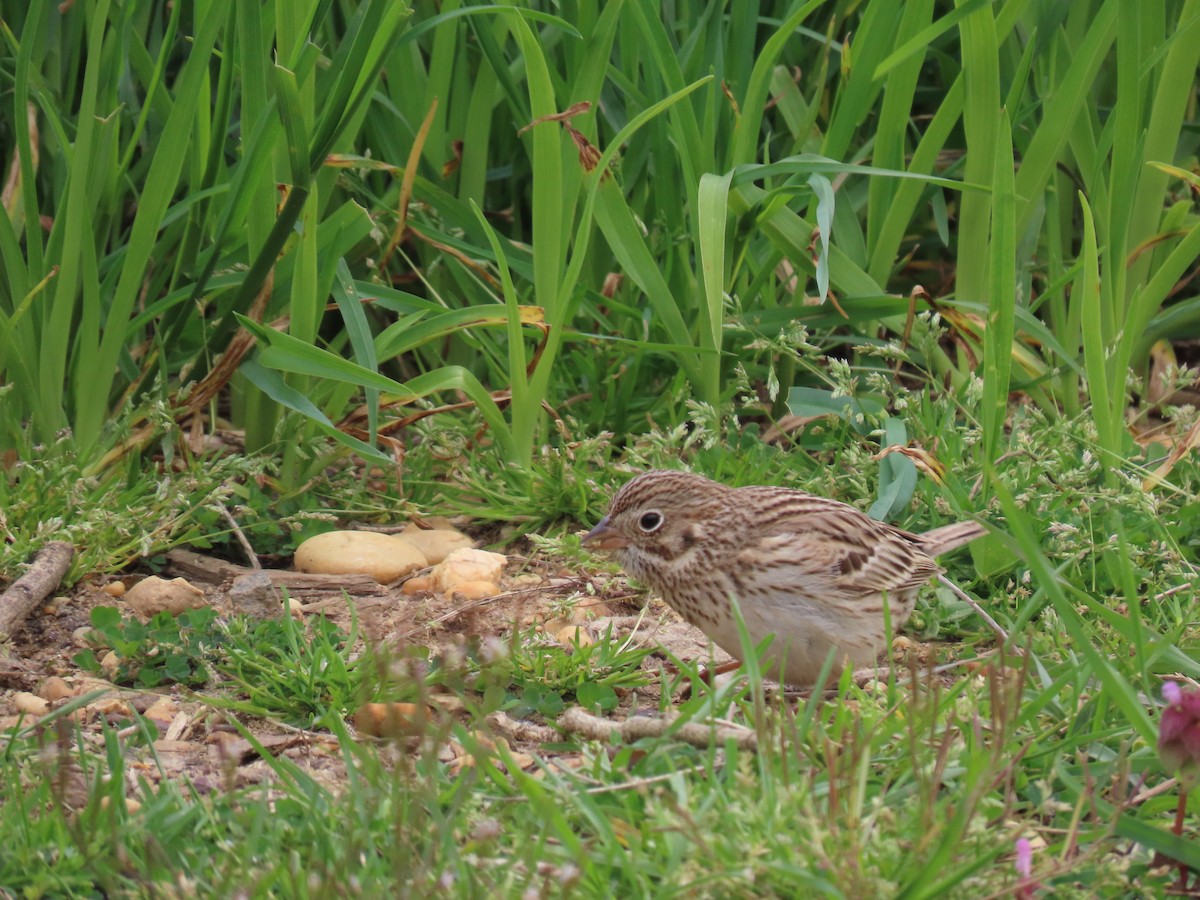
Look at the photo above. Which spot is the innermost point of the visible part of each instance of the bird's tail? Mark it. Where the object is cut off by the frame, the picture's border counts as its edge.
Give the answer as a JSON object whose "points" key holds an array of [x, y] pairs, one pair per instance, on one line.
{"points": [[948, 537]]}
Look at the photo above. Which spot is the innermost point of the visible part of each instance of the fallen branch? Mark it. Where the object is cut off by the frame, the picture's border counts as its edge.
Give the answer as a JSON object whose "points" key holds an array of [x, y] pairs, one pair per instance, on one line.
{"points": [[197, 567], [27, 592], [576, 721], [520, 730]]}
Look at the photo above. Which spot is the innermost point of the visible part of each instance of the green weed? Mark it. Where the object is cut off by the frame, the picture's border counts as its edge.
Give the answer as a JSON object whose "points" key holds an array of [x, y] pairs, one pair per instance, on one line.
{"points": [[169, 649]]}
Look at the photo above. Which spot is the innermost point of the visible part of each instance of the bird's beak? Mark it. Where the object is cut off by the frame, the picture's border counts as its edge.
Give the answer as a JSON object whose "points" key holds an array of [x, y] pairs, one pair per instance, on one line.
{"points": [[604, 537]]}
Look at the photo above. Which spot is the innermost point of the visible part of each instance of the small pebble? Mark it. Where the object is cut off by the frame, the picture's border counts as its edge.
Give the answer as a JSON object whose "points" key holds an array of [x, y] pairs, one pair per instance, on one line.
{"points": [[418, 584], [131, 805], [54, 688], [254, 595], [162, 711], [392, 719], [112, 708], [30, 704], [573, 634], [153, 595], [473, 590], [435, 543], [468, 565]]}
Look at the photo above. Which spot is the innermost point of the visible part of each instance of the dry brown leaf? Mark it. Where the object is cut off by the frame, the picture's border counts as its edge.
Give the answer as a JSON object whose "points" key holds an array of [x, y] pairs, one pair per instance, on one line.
{"points": [[1189, 442], [922, 459]]}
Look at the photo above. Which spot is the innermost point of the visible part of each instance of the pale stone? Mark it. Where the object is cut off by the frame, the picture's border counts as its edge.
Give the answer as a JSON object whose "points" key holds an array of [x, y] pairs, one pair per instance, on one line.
{"points": [[30, 704], [112, 708], [110, 662], [384, 557], [162, 710], [573, 634], [392, 719], [418, 584], [468, 565], [586, 610], [435, 543], [114, 589], [131, 805], [474, 590], [153, 595], [54, 688], [255, 596]]}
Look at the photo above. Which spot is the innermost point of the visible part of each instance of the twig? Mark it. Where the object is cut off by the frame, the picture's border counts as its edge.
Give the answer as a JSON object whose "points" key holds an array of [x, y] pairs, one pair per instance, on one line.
{"points": [[520, 730], [237, 533], [577, 721], [45, 572], [966, 598], [1163, 788], [638, 783], [1169, 592]]}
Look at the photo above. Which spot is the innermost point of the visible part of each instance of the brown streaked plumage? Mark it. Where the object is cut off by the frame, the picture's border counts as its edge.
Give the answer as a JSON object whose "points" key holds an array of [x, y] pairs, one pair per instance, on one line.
{"points": [[814, 573]]}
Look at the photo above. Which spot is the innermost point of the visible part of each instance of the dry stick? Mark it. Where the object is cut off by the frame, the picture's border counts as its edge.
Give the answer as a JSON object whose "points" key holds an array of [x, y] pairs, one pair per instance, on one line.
{"points": [[520, 730], [964, 596], [44, 575], [576, 721], [241, 538]]}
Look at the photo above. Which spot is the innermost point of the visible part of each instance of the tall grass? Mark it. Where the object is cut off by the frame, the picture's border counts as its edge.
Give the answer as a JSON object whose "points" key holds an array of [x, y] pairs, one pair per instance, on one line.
{"points": [[550, 221], [356, 173]]}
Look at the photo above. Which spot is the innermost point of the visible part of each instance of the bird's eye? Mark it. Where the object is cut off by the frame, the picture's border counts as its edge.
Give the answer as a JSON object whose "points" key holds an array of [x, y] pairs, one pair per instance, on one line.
{"points": [[650, 521]]}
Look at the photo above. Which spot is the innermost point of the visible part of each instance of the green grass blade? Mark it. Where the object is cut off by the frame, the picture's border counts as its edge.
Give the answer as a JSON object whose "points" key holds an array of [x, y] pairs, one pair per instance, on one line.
{"points": [[1002, 296]]}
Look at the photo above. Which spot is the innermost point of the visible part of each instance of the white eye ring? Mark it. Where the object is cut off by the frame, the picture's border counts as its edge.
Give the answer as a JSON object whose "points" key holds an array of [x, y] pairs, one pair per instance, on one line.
{"points": [[651, 521]]}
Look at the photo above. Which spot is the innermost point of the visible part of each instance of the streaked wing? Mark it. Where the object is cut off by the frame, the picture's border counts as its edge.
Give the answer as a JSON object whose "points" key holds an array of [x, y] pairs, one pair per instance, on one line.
{"points": [[838, 548]]}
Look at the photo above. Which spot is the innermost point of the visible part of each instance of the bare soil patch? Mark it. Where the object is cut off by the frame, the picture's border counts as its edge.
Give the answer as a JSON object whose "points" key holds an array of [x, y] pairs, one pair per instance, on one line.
{"points": [[201, 744]]}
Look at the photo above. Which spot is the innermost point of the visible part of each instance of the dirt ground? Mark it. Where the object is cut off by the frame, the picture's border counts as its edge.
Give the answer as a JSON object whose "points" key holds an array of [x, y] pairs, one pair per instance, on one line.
{"points": [[199, 742]]}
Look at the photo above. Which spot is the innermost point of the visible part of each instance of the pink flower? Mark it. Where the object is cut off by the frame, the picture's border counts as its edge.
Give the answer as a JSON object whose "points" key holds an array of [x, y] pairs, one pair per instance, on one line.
{"points": [[1179, 733], [1024, 862], [1172, 693]]}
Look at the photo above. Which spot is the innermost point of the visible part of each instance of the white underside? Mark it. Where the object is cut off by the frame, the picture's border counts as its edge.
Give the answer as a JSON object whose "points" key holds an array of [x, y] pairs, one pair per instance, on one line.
{"points": [[810, 640]]}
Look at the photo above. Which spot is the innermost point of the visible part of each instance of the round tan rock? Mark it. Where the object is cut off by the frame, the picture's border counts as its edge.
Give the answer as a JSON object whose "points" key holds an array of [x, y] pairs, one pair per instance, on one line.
{"points": [[590, 609], [162, 710], [392, 719], [85, 684], [468, 565], [473, 590], [54, 688], [295, 608], [384, 557], [30, 704], [418, 584], [131, 805], [435, 543], [111, 708], [110, 662], [573, 634], [153, 595], [114, 589]]}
